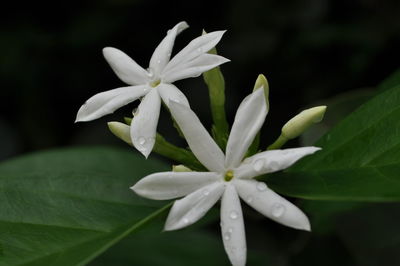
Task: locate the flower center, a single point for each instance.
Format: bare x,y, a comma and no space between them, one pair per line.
228,175
155,83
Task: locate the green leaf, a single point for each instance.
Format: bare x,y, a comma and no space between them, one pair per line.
390,82
360,159
65,207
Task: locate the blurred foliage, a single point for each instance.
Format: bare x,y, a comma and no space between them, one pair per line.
51,62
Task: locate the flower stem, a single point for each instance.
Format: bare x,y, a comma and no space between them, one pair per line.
181,155
279,142
216,88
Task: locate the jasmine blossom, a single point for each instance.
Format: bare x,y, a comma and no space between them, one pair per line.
230,177
153,84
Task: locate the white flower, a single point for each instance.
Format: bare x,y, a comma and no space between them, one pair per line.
229,178
152,84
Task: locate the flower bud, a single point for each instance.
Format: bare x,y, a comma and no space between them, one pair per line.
120,130
301,122
181,168
262,82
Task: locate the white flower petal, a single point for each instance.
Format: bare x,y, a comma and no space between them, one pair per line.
170,185
194,68
107,102
270,204
125,67
162,53
195,48
169,92
200,142
272,161
232,226
191,208
249,118
144,123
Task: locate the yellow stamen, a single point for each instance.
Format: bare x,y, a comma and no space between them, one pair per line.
155,83
228,175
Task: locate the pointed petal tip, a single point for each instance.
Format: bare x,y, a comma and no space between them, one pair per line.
306,226
108,50
183,24
316,149
145,153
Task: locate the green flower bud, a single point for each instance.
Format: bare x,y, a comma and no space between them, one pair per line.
301,122
181,168
120,130
262,82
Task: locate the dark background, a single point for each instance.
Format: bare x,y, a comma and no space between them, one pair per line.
51,60
310,50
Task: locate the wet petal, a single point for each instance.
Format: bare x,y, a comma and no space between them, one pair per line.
195,48
199,140
144,123
125,67
272,161
107,102
249,118
170,185
194,68
232,226
169,92
191,208
162,53
267,202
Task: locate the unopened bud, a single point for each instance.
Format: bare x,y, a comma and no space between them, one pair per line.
301,122
181,168
121,131
262,82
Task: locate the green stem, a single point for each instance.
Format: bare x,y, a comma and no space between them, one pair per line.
279,142
216,88
181,155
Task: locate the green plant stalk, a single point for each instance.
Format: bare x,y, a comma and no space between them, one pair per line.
279,142
181,155
216,88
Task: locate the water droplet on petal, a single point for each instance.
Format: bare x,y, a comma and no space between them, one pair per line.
158,61
141,140
258,165
169,54
261,186
249,199
233,215
230,230
185,220
274,165
199,50
278,210
227,236
206,192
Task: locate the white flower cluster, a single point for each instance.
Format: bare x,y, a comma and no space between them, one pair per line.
230,176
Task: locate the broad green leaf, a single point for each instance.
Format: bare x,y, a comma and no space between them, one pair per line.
360,159
392,81
65,207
